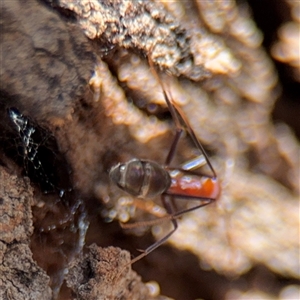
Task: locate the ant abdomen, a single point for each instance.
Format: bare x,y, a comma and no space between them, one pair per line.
141,178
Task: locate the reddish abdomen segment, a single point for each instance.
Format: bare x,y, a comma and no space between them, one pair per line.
184,183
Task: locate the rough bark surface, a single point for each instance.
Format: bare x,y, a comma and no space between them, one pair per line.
44,60
78,73
102,274
20,276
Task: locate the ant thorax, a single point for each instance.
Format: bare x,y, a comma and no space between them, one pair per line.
141,178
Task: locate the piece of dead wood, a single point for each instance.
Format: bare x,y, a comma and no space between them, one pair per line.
100,275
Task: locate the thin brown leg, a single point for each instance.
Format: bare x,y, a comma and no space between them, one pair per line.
173,147
173,217
177,114
168,206
169,217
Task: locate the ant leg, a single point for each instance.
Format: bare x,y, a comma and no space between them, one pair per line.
173,217
200,147
174,205
173,146
191,133
184,211
167,99
169,206
145,252
176,112
168,217
148,206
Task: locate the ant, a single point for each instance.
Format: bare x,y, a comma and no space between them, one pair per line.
148,179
